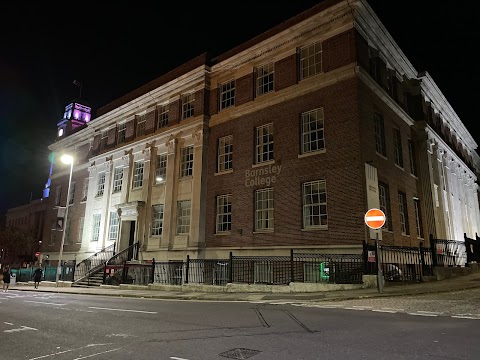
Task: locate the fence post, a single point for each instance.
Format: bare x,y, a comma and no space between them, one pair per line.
291,267
230,267
434,253
104,272
422,259
124,275
73,269
153,271
365,257
187,269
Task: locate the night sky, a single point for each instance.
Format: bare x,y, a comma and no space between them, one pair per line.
115,47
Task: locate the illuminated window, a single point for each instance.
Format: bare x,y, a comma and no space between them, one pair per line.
264,209
157,219
384,197
161,169
162,120
138,174
100,184
312,131
402,208
85,189
104,140
265,79
314,195
118,179
227,94
397,147
413,161
311,60
113,232
224,213
183,217
225,153
380,146
264,144
141,120
122,131
186,165
188,102
96,227
418,218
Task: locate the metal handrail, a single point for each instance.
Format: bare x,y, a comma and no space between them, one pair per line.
91,264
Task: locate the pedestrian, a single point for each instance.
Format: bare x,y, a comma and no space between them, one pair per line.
37,277
6,278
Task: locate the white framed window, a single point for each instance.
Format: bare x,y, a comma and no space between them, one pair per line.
418,218
264,144
117,179
311,60
157,219
264,209
85,189
71,195
100,184
58,195
413,159
227,94
384,198
402,208
162,119
188,105
53,234
161,169
265,79
397,147
186,164
380,145
122,133
104,139
183,217
81,222
313,138
96,227
141,120
225,153
314,194
138,174
224,213
113,228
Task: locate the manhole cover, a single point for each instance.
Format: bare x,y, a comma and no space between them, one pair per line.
240,353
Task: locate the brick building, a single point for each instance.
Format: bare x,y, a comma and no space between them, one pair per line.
283,142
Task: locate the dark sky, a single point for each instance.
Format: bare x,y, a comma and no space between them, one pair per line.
115,47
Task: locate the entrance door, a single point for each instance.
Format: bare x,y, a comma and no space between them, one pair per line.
131,241
127,238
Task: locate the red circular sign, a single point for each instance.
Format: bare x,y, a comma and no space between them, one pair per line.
375,218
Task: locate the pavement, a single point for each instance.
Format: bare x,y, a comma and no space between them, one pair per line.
459,283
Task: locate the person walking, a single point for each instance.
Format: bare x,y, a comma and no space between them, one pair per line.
37,277
6,278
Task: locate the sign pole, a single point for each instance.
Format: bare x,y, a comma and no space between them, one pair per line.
379,266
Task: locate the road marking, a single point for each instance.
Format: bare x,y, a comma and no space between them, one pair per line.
430,312
66,351
41,302
280,303
175,358
465,317
7,323
354,308
21,328
103,352
393,309
110,309
385,311
422,314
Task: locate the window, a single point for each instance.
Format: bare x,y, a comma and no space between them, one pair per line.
53,234
161,169
224,213
113,231
67,232
80,230
227,94
380,146
402,208
100,184
122,131
397,147
141,120
71,195
264,209
96,227
311,60
138,174
413,161
85,189
314,195
265,78
117,179
162,120
186,165
183,217
188,102
104,139
384,197
418,217
264,144
157,219
58,195
225,153
312,131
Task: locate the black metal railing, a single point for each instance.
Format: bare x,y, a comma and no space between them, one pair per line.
448,252
123,256
94,262
472,249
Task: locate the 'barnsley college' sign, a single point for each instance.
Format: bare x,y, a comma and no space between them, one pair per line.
262,176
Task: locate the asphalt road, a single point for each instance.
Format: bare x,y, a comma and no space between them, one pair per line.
50,326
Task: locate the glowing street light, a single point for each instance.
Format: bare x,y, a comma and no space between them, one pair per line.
66,159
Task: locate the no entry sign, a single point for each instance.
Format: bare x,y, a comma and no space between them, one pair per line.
375,218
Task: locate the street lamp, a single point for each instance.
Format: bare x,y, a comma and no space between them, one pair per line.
66,159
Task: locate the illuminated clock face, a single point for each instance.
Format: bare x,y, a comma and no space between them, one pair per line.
60,132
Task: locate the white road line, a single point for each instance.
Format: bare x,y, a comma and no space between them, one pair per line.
420,314
353,308
66,351
280,303
393,309
362,307
329,306
465,317
21,328
385,311
175,358
430,312
41,302
103,352
7,323
137,311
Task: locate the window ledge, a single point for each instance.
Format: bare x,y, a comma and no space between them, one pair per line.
160,184
414,176
186,178
313,153
322,227
399,167
137,188
382,156
223,233
223,172
269,231
266,163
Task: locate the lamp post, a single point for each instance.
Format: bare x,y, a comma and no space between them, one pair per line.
66,159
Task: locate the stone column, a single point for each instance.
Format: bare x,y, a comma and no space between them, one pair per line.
127,160
104,224
89,206
169,215
197,224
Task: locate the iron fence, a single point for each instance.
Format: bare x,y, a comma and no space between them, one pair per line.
448,252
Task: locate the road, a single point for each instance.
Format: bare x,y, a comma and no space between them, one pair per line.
51,326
